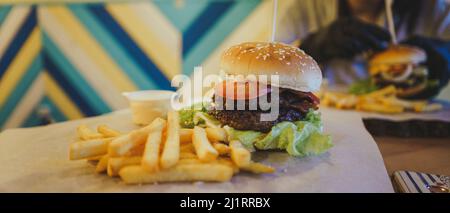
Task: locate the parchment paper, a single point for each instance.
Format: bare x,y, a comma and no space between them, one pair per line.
36,160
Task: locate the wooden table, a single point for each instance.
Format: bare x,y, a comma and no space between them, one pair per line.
430,155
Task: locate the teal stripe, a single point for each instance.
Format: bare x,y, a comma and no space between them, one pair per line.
108,43
182,17
20,90
4,11
227,23
72,74
33,119
55,112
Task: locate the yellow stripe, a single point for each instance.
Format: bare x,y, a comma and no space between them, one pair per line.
84,40
166,59
19,65
60,99
262,35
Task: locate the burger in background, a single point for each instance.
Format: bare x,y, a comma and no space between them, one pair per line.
401,66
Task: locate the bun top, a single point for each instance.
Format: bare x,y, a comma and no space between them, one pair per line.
295,68
399,54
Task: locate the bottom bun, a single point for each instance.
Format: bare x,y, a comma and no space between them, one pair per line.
408,92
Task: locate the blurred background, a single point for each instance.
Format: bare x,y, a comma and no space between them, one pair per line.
62,60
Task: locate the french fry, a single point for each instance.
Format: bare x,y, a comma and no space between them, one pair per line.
107,131
258,168
84,133
220,160
393,101
239,154
420,105
189,161
326,100
187,148
120,145
115,164
205,151
381,108
180,172
102,164
330,98
432,107
347,102
188,155
171,152
216,134
92,162
222,148
89,148
185,136
124,143
136,151
94,158
150,159
386,91
228,162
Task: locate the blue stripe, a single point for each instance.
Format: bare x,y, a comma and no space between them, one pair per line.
432,178
218,33
4,11
33,119
73,78
128,45
414,182
203,23
20,90
423,179
18,41
109,43
55,112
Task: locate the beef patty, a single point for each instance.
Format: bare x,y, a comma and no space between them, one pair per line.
294,105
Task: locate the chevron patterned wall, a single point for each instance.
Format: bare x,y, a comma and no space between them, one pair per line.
68,61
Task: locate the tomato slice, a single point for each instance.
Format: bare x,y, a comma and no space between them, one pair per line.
314,98
246,90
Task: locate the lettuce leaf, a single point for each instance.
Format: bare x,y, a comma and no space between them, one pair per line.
247,138
187,115
300,138
203,119
362,87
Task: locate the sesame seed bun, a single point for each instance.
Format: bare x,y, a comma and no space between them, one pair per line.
399,54
296,69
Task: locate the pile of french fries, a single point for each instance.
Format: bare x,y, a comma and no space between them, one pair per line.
381,101
164,152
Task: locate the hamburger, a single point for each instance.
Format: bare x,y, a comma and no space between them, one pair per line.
401,66
296,129
298,73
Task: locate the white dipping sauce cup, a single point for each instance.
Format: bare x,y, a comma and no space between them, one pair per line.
146,105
